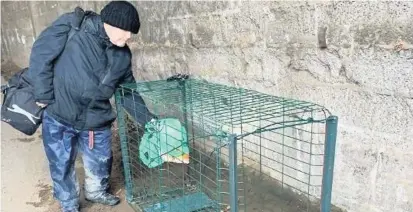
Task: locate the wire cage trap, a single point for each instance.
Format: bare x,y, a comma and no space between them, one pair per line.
214,147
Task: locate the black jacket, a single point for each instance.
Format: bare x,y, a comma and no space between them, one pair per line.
76,78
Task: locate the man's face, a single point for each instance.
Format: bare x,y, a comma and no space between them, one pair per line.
117,36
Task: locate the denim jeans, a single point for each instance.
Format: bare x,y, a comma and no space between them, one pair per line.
61,144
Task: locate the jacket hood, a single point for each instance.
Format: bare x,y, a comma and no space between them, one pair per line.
94,25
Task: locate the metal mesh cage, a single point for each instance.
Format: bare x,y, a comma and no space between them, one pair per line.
249,151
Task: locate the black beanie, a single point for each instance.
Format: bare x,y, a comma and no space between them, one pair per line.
121,14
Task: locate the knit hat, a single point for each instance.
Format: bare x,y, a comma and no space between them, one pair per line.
121,14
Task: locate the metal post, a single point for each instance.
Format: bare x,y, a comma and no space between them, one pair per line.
182,87
329,154
184,102
124,148
233,181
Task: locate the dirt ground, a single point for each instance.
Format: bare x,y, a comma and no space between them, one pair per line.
25,180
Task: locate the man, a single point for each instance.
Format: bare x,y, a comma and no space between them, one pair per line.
74,79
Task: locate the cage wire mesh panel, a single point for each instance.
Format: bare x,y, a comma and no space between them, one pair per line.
248,151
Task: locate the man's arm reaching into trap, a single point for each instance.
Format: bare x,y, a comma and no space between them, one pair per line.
133,103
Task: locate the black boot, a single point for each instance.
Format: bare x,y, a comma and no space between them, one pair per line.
105,199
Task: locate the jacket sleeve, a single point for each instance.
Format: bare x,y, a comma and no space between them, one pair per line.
133,102
47,47
128,78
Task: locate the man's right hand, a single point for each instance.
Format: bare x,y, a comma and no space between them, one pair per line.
42,105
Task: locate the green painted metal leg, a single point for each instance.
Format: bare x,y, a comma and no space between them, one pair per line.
124,148
329,154
233,173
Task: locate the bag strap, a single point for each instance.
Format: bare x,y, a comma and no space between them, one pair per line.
76,22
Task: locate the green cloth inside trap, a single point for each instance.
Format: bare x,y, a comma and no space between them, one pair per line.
163,137
187,203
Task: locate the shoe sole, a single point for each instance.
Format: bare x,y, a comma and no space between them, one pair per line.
102,202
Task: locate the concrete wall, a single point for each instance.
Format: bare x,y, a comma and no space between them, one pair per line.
365,75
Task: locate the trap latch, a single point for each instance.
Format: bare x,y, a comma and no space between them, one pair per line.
178,77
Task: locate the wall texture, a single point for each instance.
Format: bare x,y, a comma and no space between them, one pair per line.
365,75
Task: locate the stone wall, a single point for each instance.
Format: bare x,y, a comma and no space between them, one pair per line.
355,58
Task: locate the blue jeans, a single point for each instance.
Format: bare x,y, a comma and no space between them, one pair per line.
61,145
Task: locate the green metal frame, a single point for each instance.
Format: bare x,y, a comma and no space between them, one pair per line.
205,108
330,146
124,148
